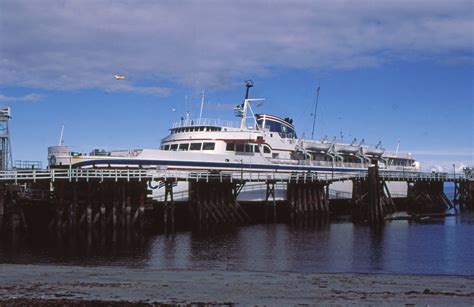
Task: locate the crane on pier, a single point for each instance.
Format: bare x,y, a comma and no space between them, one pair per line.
6,161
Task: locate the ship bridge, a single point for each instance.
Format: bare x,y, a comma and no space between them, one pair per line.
284,127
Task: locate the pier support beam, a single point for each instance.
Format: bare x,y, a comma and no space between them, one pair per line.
376,212
270,193
13,215
427,197
215,202
464,195
2,208
307,200
168,207
371,198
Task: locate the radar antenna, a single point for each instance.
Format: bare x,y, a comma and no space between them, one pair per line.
248,85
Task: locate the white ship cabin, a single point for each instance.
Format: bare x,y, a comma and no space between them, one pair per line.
401,161
270,137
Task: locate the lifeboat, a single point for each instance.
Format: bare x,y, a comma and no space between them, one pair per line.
317,146
346,148
373,151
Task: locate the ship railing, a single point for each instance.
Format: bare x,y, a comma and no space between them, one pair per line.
319,163
389,154
213,122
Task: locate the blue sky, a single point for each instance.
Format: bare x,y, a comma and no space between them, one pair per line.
388,70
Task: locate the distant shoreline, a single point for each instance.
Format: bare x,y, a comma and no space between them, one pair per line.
49,285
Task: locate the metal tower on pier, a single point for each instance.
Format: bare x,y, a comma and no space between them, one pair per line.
6,161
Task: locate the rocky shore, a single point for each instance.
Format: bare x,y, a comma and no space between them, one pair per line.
50,285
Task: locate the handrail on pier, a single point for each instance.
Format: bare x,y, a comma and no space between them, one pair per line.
127,174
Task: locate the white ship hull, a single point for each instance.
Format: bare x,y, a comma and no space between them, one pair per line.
256,192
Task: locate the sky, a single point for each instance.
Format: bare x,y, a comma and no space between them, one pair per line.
387,70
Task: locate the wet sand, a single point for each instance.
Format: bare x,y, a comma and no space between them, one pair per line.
125,286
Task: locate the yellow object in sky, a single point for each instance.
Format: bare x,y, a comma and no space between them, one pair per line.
119,77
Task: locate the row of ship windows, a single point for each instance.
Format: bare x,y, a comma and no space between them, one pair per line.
241,147
237,147
188,146
195,129
400,162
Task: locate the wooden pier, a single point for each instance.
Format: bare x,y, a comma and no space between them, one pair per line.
119,198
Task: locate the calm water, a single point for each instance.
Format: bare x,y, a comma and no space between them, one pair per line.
437,246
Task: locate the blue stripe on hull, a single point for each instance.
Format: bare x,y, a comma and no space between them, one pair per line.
215,165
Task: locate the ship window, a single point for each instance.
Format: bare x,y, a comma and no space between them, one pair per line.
184,147
266,149
275,155
201,128
255,148
248,148
230,147
239,147
208,146
174,147
166,147
195,146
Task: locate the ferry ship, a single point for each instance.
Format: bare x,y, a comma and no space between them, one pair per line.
262,143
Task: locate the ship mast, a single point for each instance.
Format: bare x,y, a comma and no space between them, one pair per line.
242,109
248,85
203,93
315,112
243,122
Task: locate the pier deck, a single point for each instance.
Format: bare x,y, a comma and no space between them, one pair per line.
34,175
118,197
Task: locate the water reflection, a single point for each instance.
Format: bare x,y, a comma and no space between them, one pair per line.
436,246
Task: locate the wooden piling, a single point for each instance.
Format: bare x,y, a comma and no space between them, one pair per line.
2,208
376,213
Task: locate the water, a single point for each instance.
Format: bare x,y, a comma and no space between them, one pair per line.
435,246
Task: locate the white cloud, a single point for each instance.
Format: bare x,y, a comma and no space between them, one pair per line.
458,152
26,98
69,44
445,166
